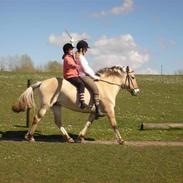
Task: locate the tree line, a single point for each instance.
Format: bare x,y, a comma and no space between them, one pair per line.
24,63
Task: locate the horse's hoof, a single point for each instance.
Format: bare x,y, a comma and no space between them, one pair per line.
29,137
70,140
81,139
121,141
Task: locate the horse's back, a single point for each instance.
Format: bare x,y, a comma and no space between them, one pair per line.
49,89
51,85
60,90
69,94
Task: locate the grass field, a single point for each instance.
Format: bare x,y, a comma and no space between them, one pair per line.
49,160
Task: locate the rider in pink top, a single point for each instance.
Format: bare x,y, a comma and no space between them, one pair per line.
71,73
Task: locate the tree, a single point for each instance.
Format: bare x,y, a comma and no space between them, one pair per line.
2,64
9,63
53,66
179,72
25,64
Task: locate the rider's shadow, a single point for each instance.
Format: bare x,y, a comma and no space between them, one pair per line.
19,136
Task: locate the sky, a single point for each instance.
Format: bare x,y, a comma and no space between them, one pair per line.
143,34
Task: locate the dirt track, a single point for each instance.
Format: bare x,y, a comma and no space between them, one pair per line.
139,143
14,138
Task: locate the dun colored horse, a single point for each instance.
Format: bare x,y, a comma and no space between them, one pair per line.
56,93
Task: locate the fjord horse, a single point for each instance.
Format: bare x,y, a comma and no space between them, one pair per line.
56,93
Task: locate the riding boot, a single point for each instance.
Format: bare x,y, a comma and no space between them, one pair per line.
82,104
98,112
82,101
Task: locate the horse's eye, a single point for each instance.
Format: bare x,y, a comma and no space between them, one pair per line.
133,77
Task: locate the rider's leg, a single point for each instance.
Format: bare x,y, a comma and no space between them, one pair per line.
90,84
78,83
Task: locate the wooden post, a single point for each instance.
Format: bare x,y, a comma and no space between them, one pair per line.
161,69
161,126
28,110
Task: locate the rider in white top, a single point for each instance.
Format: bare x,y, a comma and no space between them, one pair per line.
86,69
87,74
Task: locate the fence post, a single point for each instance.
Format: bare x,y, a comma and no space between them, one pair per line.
28,110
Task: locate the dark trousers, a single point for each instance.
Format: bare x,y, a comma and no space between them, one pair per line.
78,83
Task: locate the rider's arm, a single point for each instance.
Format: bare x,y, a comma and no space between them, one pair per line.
70,62
87,69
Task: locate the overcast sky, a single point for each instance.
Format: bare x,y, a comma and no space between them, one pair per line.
140,33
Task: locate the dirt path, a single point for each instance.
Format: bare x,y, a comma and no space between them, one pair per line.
57,139
139,143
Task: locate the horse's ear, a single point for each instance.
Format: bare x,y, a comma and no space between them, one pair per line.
98,74
127,69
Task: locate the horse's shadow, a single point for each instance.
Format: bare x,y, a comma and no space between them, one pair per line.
19,136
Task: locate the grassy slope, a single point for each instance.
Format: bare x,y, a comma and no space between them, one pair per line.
160,101
76,163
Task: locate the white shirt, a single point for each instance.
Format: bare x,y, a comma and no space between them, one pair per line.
86,68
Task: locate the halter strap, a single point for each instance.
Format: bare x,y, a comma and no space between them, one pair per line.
128,77
110,82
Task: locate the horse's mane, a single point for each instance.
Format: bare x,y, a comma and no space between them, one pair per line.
111,71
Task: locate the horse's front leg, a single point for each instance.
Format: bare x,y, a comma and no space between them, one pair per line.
112,118
82,133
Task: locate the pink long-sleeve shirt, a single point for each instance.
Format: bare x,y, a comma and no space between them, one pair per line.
70,67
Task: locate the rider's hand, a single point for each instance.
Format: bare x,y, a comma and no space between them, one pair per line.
97,79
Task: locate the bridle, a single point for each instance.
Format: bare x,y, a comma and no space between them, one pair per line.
128,78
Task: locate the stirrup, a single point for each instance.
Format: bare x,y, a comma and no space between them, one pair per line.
100,114
82,105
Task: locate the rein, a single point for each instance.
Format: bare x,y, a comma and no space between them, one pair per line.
128,78
109,82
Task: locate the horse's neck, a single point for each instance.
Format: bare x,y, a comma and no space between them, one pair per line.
111,87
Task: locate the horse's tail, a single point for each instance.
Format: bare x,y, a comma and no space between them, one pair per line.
26,99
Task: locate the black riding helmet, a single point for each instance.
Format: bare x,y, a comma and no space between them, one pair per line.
82,44
67,47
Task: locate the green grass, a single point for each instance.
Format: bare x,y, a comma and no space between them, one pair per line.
160,101
48,160
76,163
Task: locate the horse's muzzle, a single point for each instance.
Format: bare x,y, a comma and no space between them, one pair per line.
135,92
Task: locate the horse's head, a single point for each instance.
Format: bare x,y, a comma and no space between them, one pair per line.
129,82
120,76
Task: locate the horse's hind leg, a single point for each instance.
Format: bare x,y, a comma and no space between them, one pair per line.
58,121
82,133
41,112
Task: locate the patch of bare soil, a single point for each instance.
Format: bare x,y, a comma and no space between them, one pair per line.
139,143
